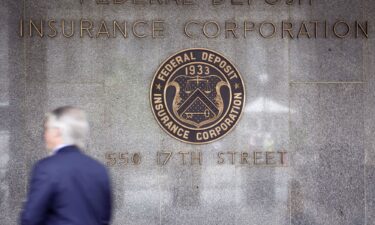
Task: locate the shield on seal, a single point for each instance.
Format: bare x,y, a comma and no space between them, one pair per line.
200,98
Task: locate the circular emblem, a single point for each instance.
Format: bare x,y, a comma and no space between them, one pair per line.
197,96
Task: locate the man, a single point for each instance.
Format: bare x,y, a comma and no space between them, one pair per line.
68,187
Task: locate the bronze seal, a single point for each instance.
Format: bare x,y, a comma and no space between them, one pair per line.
197,96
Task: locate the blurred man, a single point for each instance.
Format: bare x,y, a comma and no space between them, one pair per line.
68,187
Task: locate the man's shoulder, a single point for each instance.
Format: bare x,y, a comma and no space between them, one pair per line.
75,158
92,162
46,162
61,162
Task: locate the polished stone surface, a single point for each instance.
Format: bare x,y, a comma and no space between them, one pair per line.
369,65
327,141
314,99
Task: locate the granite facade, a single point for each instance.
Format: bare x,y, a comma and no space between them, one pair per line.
313,98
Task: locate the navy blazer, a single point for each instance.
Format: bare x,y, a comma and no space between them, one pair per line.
68,188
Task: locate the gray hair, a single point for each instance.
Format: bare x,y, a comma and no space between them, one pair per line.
72,123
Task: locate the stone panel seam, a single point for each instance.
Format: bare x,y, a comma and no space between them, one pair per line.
327,82
25,86
289,121
364,112
80,83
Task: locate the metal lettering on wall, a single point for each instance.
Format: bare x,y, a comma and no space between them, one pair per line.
193,158
197,96
243,27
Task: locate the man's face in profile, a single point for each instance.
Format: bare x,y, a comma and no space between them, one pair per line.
52,136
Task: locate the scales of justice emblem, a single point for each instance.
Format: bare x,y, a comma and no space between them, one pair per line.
197,96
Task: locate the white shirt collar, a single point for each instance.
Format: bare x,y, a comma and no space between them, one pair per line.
57,148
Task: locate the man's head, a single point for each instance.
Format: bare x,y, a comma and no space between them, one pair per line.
66,125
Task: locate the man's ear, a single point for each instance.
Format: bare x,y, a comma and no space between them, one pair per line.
57,133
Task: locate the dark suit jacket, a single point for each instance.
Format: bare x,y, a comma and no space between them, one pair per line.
68,188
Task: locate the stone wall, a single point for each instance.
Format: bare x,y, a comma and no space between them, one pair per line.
313,98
